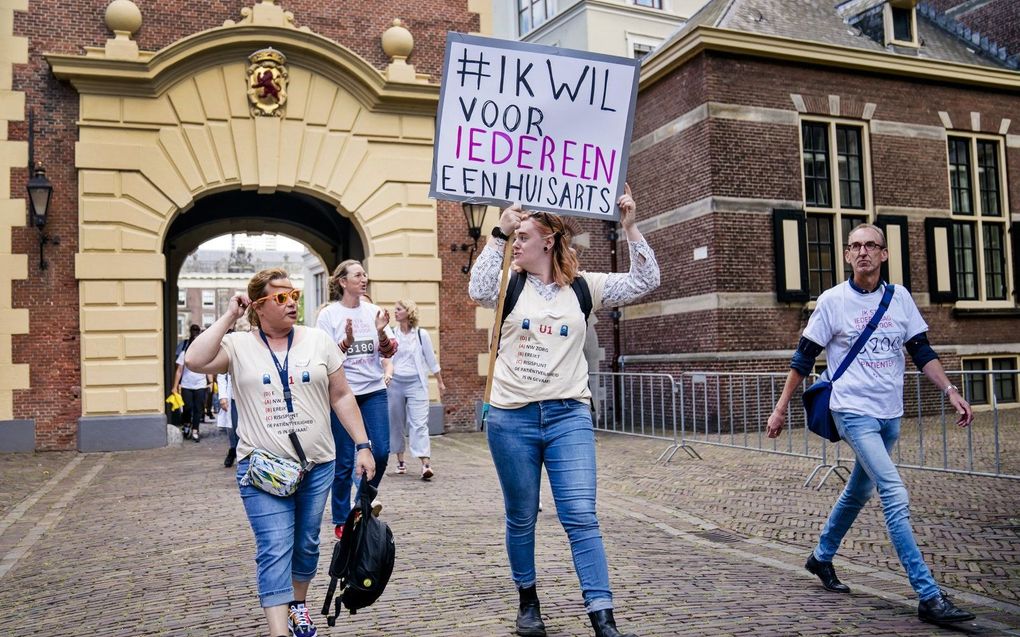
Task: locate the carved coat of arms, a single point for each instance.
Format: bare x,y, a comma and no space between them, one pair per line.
267,82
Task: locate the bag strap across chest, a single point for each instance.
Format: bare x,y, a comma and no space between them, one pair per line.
517,280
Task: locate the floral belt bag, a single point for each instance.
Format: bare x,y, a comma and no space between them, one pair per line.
275,475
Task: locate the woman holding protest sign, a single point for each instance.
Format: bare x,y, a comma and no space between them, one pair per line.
540,403
286,381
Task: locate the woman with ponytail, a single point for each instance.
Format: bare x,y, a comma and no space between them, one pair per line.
540,404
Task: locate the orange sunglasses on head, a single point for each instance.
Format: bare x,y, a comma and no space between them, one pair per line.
281,297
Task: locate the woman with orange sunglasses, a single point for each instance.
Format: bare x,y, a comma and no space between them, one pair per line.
286,378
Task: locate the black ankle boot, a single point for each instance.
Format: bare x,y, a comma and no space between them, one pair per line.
529,615
605,625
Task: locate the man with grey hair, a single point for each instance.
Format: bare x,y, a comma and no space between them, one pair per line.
866,405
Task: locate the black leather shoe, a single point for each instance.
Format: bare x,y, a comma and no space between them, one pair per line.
827,574
939,610
605,625
529,615
231,456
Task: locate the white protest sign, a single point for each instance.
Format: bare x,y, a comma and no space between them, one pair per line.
544,126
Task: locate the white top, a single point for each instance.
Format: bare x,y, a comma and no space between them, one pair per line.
189,379
362,367
873,384
541,348
414,357
223,418
263,420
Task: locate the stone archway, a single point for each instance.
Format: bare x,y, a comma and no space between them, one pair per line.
160,130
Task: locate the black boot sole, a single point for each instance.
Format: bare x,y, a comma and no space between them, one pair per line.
530,632
946,622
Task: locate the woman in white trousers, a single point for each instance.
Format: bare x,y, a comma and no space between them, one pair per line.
408,389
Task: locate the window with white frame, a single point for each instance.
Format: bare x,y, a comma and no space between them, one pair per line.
900,21
978,196
207,320
182,297
532,14
837,195
208,298
990,377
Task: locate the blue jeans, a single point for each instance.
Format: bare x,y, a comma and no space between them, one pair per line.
557,433
375,412
872,439
286,532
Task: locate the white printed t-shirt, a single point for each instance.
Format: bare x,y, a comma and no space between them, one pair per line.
263,421
541,348
362,367
873,384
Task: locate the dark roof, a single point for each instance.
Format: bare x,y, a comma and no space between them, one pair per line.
828,22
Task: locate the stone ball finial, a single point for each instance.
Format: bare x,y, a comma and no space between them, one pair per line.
397,41
123,16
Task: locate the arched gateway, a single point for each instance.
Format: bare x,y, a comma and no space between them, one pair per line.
159,132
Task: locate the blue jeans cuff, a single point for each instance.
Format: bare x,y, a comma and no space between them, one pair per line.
276,598
600,603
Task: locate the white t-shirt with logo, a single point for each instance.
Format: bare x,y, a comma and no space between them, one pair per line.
541,347
190,379
873,384
363,367
263,420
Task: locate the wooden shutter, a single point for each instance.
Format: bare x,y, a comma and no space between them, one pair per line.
938,234
1014,233
897,269
789,229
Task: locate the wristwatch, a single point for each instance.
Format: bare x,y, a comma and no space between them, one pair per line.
949,388
498,233
363,445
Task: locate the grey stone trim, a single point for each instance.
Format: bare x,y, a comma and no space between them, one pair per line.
1013,141
670,129
869,111
17,436
702,303
903,129
834,106
1004,125
990,349
437,419
975,121
798,102
715,204
121,433
947,121
775,354
916,214
715,110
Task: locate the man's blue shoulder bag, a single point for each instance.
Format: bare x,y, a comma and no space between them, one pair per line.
816,397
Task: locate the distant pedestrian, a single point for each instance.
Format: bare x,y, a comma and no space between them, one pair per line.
540,410
867,403
192,387
358,328
286,378
408,391
226,417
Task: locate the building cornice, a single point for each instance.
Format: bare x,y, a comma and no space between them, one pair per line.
151,74
677,52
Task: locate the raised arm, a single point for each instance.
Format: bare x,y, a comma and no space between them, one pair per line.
206,355
643,277
485,273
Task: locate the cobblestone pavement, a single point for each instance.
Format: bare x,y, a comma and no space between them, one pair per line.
156,543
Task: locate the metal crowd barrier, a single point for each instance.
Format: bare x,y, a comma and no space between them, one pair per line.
731,409
642,405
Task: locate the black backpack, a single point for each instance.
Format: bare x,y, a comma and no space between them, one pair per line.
362,560
513,292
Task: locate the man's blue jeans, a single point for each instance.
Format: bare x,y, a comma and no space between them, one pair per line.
375,412
286,532
557,433
872,440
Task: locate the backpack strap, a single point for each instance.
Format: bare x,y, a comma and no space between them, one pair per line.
420,341
583,294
